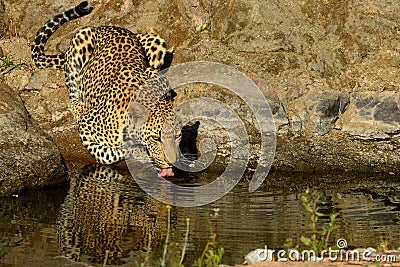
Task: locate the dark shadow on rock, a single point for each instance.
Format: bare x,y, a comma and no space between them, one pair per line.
188,145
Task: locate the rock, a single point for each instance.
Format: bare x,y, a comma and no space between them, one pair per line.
15,50
321,109
280,118
4,21
373,116
28,158
259,255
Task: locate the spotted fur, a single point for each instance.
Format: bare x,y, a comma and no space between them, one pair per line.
105,211
105,68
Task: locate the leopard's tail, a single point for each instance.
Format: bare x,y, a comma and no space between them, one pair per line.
55,61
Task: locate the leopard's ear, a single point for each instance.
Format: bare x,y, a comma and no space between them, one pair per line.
138,114
168,57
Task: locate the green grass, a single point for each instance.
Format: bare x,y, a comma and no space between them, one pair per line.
211,255
6,65
311,199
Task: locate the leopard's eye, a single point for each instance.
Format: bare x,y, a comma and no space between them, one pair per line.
156,138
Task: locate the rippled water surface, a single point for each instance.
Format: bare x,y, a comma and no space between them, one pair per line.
103,210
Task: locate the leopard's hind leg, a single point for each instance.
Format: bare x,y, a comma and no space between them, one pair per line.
77,55
156,51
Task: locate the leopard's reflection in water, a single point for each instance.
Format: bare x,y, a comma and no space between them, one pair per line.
105,212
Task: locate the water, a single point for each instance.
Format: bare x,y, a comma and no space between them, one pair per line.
104,210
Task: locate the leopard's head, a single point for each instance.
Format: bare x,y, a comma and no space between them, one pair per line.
157,126
162,137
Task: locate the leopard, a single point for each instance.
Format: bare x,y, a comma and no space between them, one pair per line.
104,210
105,69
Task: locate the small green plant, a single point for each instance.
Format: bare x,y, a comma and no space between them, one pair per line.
384,245
185,242
6,65
6,62
106,258
146,262
289,244
167,237
212,254
320,237
176,257
174,262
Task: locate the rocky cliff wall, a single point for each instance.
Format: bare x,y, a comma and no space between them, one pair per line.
330,69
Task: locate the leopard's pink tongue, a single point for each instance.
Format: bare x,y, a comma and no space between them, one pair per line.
166,172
